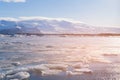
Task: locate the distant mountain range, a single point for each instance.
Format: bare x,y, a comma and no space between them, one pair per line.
39,25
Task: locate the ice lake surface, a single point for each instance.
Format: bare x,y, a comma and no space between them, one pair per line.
60,57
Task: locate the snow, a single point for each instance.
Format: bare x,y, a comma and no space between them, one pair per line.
48,25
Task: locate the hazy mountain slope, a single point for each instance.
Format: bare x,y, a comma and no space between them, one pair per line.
48,25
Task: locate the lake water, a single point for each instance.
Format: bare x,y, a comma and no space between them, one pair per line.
60,57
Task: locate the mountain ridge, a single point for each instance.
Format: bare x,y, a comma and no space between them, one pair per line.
40,25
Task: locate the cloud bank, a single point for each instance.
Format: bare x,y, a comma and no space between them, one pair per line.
16,1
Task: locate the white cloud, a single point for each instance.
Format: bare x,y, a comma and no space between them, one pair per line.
48,18
13,1
8,18
40,18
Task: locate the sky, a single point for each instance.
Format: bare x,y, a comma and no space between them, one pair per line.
101,13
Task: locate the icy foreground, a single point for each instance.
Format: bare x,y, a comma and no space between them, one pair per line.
47,55
41,25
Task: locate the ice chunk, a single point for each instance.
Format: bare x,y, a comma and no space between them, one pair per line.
62,67
50,72
78,72
17,70
2,76
44,67
19,76
70,73
41,67
83,70
14,79
16,63
48,69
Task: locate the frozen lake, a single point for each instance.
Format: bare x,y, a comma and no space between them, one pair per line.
60,57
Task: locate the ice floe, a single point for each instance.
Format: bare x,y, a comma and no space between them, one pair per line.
79,72
57,66
2,75
80,65
16,63
50,72
70,73
18,76
48,69
83,70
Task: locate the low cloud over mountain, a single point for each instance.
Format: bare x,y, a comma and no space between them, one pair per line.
16,1
42,25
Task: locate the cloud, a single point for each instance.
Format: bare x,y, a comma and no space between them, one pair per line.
8,19
40,18
13,1
48,18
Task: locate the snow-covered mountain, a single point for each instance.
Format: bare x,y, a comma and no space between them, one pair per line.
40,25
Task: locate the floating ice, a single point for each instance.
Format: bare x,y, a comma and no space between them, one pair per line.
48,69
83,70
19,76
16,63
50,72
70,73
2,76
79,72
57,66
14,79
41,67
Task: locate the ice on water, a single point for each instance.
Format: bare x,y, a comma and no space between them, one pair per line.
54,55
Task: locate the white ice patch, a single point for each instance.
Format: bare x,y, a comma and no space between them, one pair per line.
48,69
57,66
42,69
79,72
16,63
83,70
2,75
50,72
70,73
19,76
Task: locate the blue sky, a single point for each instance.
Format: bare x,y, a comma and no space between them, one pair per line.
94,12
